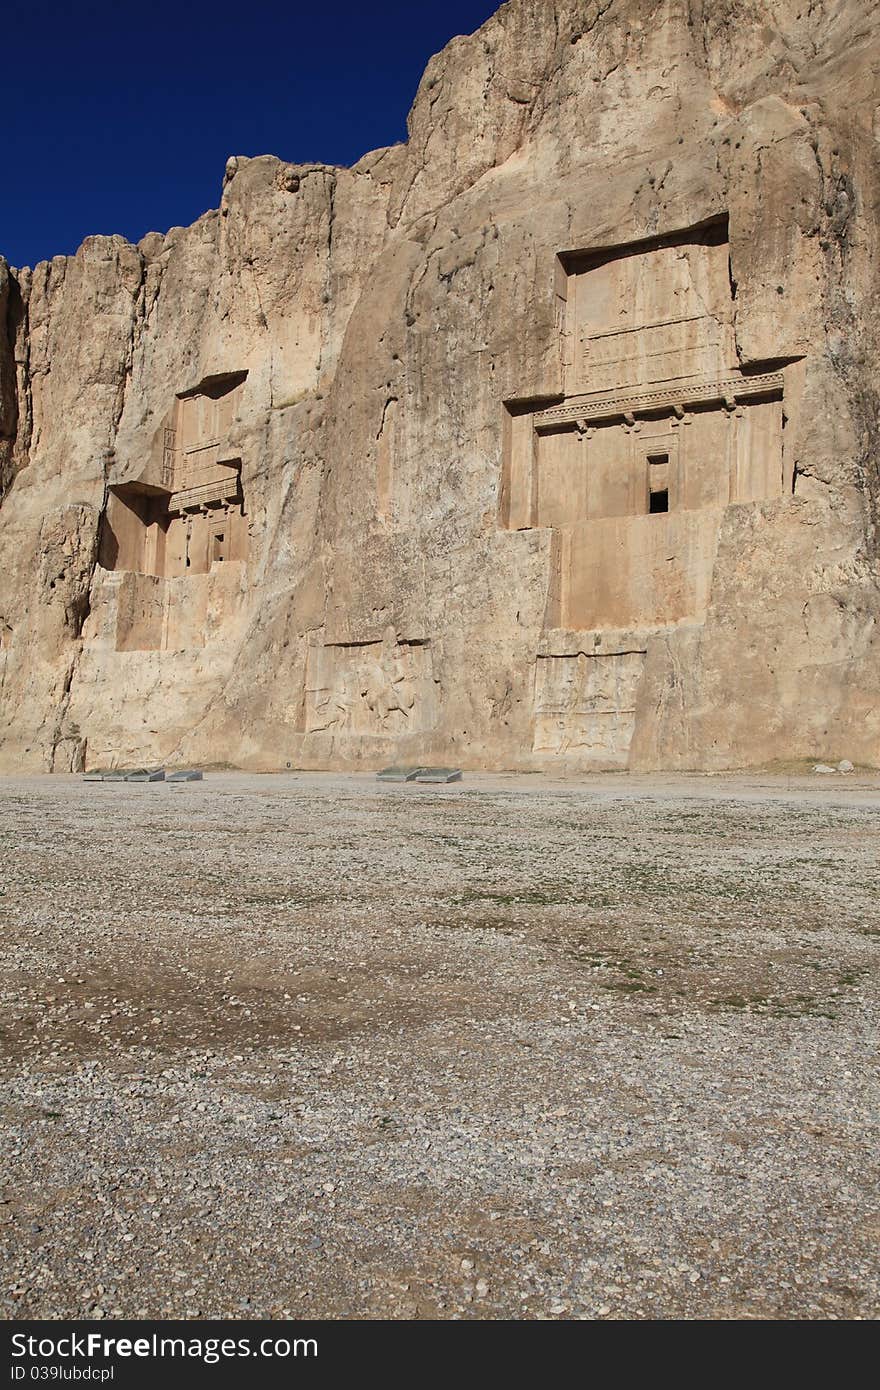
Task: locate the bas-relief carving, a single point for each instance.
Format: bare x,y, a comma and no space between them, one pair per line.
658,431
183,519
586,704
377,688
639,314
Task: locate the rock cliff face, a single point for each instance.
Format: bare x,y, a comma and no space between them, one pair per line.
546,440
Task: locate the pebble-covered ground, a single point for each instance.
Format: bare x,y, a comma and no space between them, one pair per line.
311,1045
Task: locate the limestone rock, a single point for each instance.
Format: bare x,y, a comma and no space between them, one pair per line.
547,439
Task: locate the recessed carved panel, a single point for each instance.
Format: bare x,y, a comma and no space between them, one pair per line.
585,705
379,688
645,313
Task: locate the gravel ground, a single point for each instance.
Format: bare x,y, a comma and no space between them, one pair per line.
308,1045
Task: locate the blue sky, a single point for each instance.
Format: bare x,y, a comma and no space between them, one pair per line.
119,118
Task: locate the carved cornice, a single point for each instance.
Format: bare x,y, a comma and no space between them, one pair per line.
218,492
677,396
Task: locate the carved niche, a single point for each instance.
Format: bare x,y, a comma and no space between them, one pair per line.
658,430
183,517
185,513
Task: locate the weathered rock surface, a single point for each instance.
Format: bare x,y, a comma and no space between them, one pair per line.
548,438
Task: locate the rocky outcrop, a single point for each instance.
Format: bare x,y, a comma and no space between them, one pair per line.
546,439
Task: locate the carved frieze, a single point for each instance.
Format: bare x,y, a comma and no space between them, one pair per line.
676,397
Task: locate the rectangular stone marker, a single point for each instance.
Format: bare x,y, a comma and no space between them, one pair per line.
119,774
438,774
398,774
191,774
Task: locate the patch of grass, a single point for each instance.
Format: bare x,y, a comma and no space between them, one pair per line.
527,898
798,1006
628,986
740,1001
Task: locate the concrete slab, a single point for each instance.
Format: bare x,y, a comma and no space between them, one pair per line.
398,774
438,774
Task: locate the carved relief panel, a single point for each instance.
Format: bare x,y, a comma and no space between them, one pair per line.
638,316
585,705
379,688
